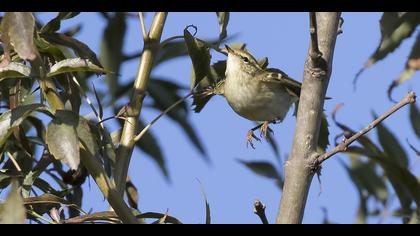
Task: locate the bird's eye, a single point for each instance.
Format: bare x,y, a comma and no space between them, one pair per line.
245,59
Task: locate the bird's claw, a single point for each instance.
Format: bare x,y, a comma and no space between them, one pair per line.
250,137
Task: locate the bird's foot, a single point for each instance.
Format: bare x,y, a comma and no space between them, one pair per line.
250,137
265,129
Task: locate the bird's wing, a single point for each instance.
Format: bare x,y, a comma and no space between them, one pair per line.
279,77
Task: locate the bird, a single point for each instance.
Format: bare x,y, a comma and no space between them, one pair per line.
259,94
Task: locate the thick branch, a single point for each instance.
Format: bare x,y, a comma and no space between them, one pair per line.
342,147
298,174
125,149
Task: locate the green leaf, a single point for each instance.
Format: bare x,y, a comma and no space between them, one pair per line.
81,49
74,65
411,66
392,147
323,141
13,118
87,136
14,70
132,194
405,184
12,210
55,24
208,210
164,94
62,139
262,168
171,51
395,27
150,146
111,55
365,177
18,27
415,119
216,75
28,181
200,57
223,22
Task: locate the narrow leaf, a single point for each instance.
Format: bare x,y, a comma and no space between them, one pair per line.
200,57
411,66
223,22
395,27
74,65
165,94
391,146
81,49
87,136
132,194
415,119
14,70
208,210
264,169
150,146
324,133
111,55
365,177
55,24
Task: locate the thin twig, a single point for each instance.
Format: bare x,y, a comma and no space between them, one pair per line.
342,147
143,28
145,129
259,210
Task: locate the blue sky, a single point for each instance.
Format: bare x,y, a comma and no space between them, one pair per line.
231,189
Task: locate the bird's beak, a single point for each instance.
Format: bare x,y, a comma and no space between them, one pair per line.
229,50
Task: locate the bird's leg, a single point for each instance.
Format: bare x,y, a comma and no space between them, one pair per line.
251,136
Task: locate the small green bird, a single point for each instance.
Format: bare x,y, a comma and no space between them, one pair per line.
255,93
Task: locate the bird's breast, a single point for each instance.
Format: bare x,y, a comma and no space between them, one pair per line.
256,100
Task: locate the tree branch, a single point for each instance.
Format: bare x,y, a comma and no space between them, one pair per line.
342,147
298,174
259,210
129,130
